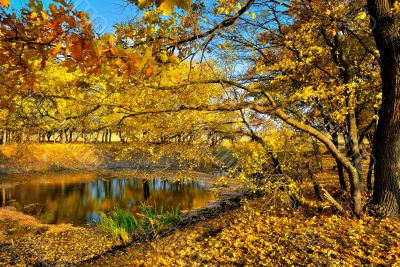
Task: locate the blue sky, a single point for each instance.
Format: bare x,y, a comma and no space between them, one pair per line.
105,13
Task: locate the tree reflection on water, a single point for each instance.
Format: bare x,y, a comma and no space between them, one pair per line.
77,198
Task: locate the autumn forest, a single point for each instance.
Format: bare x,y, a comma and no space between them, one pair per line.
200,133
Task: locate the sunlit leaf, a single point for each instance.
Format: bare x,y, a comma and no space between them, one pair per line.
5,3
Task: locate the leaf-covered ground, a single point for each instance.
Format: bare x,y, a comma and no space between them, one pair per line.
260,234
26,242
264,231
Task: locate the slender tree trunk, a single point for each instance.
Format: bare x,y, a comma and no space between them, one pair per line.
317,154
84,138
22,136
340,169
353,144
353,174
96,138
386,197
62,136
121,139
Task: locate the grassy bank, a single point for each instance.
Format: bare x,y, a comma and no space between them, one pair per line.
125,226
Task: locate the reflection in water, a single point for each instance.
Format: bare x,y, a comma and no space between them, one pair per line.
69,199
146,189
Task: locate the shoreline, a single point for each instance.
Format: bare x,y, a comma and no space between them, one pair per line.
22,232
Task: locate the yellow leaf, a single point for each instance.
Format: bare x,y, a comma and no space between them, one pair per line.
111,40
143,3
56,49
45,16
33,15
4,3
167,6
362,15
163,56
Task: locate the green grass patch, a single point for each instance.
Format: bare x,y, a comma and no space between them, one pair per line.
124,226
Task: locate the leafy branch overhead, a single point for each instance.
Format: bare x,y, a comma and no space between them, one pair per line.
190,68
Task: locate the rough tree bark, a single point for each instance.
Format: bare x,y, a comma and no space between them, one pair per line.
386,197
371,163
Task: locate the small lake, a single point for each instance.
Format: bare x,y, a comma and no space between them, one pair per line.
77,198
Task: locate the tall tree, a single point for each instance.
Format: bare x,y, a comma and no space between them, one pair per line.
385,23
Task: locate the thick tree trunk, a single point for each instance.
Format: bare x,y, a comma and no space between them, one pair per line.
386,197
371,161
370,171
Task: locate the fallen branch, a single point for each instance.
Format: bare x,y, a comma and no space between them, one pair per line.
323,194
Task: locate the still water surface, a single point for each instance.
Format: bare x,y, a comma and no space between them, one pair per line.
78,198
